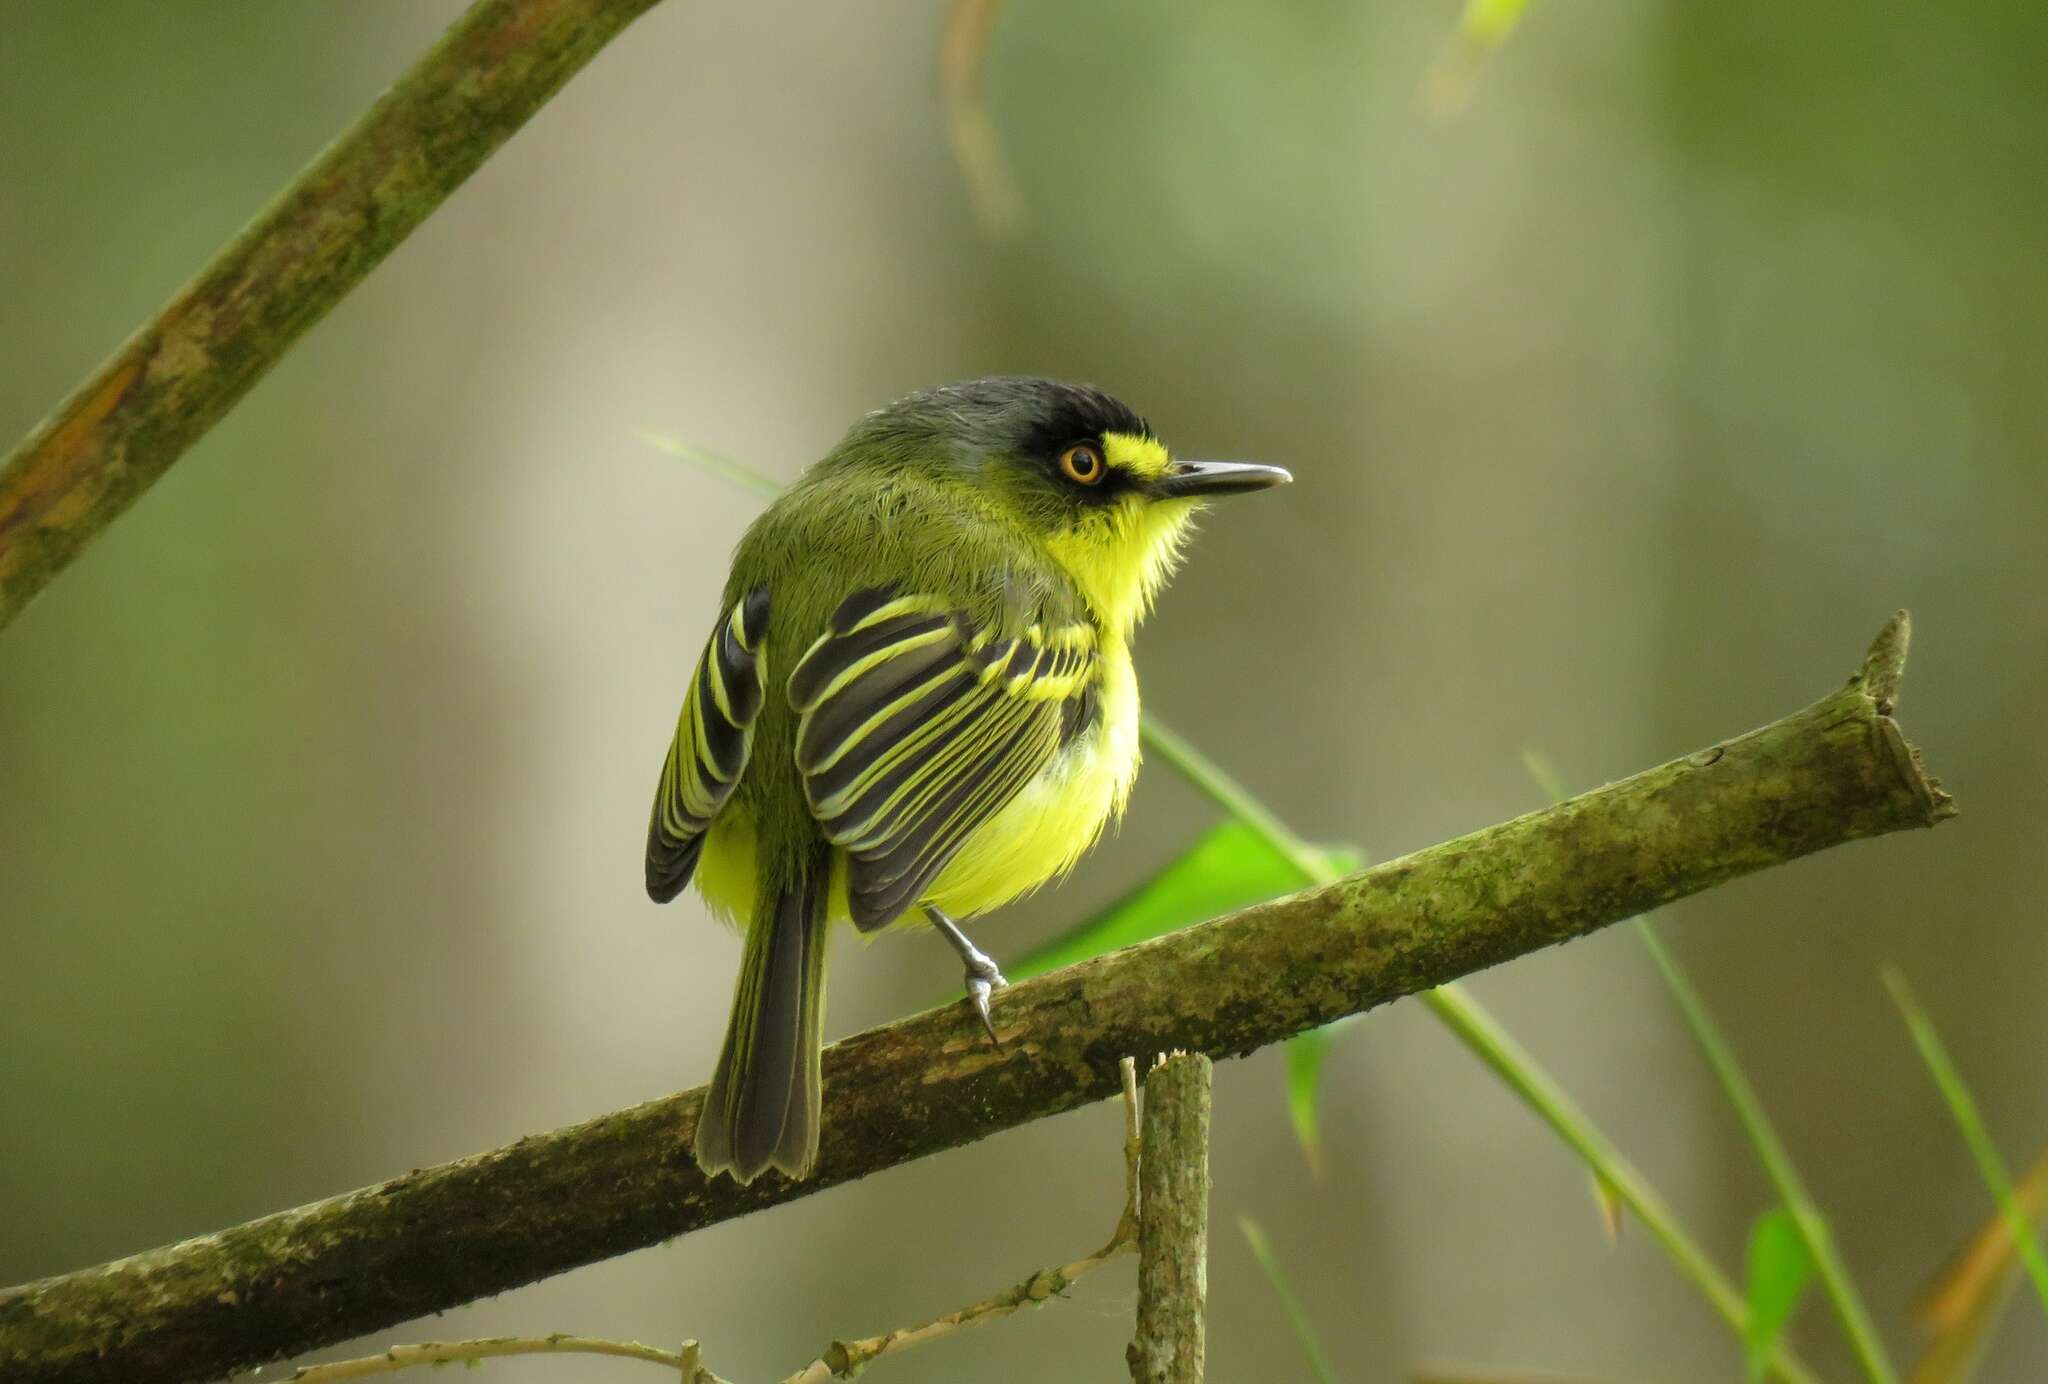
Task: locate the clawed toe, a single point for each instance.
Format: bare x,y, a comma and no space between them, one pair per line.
983,977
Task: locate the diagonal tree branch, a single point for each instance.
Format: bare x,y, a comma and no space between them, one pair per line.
1837,771
186,367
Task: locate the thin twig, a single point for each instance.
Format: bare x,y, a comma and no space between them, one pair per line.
843,1359
685,1363
1127,1224
1171,1343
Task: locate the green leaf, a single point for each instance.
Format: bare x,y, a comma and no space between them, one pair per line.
1233,865
1229,867
1779,1266
739,473
1304,1089
1318,1363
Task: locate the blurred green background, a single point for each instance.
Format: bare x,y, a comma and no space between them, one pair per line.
1624,407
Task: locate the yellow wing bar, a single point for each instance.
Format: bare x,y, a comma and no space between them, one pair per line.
916,726
713,735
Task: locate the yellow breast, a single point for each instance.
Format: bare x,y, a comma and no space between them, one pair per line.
1060,813
1051,822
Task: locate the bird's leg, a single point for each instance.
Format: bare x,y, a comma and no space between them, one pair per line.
982,975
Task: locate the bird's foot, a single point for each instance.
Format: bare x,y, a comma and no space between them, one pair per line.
983,978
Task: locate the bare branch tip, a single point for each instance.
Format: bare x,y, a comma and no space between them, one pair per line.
1883,671
1884,667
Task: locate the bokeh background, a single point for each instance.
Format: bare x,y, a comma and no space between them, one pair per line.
1625,405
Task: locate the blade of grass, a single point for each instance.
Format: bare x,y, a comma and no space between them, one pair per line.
740,474
1955,1352
1232,796
1963,1108
1304,1083
1985,1262
1465,1016
1318,1363
1806,1217
1969,1299
1482,1033
1315,866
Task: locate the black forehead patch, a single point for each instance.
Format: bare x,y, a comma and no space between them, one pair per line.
1014,413
1073,412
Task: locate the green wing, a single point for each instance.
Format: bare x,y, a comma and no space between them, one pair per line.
713,734
918,723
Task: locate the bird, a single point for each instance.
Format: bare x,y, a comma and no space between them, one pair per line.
917,703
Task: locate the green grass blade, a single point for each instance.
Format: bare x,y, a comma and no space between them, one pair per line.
1799,1205
1318,1363
1963,1108
1305,1055
1314,866
1484,1035
740,474
1779,1264
1964,1305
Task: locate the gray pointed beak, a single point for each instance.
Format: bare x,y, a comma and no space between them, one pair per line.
1187,480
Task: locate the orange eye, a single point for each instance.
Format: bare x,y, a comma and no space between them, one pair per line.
1083,463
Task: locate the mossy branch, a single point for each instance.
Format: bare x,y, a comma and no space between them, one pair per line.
185,368
1835,772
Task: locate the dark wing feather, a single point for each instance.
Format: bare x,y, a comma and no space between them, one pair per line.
917,725
713,734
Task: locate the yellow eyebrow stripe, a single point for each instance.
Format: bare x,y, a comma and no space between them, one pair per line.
1144,457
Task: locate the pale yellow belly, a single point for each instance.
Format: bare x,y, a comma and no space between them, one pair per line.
1057,816
1035,839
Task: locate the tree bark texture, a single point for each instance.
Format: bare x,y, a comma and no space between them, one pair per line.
1171,1344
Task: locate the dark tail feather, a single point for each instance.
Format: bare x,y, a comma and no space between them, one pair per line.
762,1109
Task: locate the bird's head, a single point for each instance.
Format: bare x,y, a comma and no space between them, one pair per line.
1073,466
